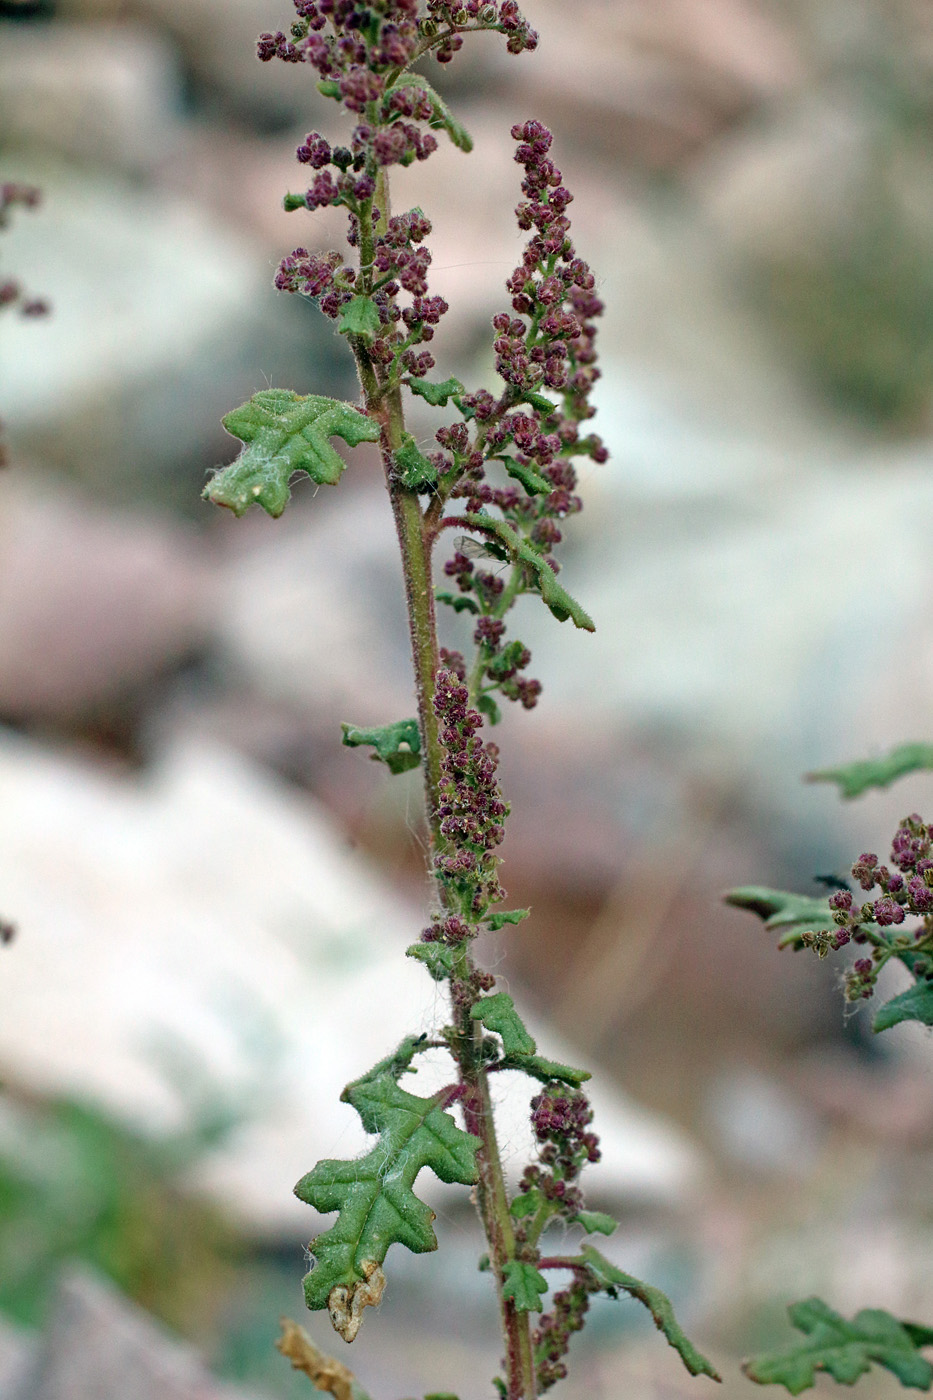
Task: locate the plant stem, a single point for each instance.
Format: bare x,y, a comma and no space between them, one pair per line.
415,541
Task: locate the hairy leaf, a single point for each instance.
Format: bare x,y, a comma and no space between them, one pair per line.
285,433
526,1203
916,1004
413,467
524,1285
359,317
397,745
856,778
561,604
438,958
506,916
436,392
442,118
497,1013
658,1304
373,1193
596,1222
539,402
534,483
539,1068
844,1349
792,914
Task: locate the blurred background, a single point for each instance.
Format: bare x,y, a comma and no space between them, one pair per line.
211,896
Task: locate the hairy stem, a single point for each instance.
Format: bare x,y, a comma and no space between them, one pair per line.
415,541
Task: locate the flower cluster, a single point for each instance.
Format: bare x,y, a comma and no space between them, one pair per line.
471,809
905,890
544,345
560,1118
371,39
551,1338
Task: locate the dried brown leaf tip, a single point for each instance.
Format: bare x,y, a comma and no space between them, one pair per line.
324,1372
346,1305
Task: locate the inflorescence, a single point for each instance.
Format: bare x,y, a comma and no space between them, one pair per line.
471,812
906,890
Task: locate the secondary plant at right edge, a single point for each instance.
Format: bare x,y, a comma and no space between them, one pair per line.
885,913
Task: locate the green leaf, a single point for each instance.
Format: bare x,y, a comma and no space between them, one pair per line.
329,87
793,914
438,958
291,202
506,916
595,1222
856,778
524,1285
528,1203
285,433
460,602
916,1004
436,393
539,1068
497,1013
534,483
373,1193
539,402
360,317
413,467
487,706
844,1349
658,1304
561,604
397,745
442,118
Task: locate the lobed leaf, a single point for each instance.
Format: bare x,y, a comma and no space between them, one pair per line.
793,914
438,958
373,1193
855,778
539,1068
497,1013
561,604
595,1222
397,745
359,317
442,118
845,1350
506,916
435,392
610,1279
285,433
412,466
916,1004
524,1285
534,483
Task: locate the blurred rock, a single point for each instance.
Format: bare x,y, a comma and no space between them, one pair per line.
100,1346
106,94
157,330
212,918
217,40
651,82
92,605
334,559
